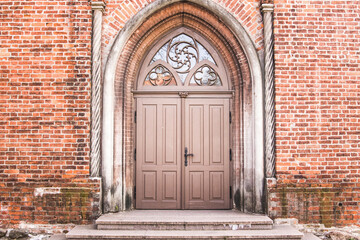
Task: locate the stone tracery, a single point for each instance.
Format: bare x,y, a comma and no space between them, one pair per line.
158,76
205,75
183,53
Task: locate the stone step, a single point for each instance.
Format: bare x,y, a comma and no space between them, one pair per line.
277,233
183,220
307,236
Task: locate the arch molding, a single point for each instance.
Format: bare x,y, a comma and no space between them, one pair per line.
246,75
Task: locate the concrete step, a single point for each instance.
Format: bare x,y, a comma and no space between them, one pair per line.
183,220
277,233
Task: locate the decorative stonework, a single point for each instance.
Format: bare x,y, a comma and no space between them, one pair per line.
98,9
98,5
205,75
244,69
268,10
182,53
160,76
183,94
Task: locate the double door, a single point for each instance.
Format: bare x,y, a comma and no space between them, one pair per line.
182,148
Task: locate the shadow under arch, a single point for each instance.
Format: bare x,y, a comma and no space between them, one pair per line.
249,193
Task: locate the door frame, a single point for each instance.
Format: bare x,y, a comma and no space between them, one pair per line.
247,76
222,94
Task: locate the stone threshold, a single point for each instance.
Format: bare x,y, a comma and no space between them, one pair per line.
183,220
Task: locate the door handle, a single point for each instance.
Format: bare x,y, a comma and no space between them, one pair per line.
186,155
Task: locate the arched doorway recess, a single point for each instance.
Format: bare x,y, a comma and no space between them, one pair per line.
243,71
183,121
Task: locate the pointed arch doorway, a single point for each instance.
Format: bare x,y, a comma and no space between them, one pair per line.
123,87
183,128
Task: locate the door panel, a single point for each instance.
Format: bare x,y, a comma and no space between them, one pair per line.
149,134
206,177
216,186
150,185
196,134
170,135
216,132
170,185
158,142
196,186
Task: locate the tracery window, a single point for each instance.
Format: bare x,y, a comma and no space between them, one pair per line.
183,59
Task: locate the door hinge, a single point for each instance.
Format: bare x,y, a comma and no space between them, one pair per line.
230,117
134,192
134,154
230,155
135,116
230,192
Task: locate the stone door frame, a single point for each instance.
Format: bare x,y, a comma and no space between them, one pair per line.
113,163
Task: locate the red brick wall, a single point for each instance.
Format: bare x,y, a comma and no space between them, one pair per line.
317,56
45,62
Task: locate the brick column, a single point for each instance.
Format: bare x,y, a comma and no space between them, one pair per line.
267,10
98,8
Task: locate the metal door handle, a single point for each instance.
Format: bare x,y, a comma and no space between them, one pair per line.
187,155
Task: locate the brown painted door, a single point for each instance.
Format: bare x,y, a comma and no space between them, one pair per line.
162,179
158,167
206,176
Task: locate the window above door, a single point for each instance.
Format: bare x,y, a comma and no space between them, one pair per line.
182,60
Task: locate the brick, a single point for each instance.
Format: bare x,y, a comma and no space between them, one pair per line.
35,76
314,46
45,67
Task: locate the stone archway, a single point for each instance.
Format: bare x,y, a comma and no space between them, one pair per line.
239,53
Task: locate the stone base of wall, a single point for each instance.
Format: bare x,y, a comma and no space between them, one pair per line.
43,208
319,230
330,206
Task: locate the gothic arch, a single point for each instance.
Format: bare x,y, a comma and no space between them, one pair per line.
235,46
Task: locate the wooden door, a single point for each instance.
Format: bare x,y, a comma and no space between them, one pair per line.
165,127
206,176
158,167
